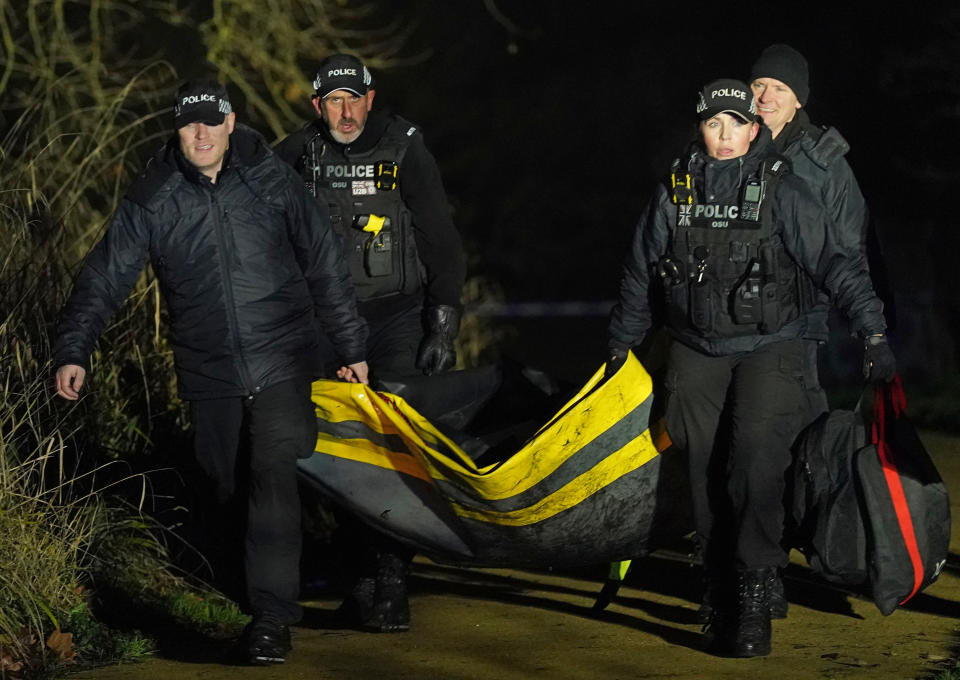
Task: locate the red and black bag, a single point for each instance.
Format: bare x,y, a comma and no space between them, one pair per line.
904,504
827,524
868,505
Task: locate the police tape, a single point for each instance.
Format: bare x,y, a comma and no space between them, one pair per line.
542,309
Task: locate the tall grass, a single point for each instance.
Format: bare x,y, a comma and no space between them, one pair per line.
58,466
52,520
71,138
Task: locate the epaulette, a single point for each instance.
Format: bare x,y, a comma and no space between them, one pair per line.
827,148
776,165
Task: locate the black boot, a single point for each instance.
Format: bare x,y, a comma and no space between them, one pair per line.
752,632
362,563
777,596
778,599
357,606
267,641
391,609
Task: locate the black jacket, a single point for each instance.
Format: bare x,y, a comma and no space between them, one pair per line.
817,156
421,188
244,264
808,235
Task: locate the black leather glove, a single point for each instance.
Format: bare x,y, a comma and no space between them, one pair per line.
437,353
616,356
878,360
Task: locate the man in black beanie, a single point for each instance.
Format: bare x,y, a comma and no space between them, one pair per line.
780,80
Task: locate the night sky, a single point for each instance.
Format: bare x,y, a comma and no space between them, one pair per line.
551,139
552,133
563,137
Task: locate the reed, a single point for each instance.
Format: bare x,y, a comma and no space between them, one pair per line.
85,92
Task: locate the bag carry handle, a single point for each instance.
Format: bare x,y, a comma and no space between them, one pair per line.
891,395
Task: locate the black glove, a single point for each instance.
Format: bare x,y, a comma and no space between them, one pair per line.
616,356
437,353
878,361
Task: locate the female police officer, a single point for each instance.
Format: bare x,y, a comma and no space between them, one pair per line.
736,247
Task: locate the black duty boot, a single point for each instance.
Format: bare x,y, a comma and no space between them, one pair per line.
391,610
752,632
267,641
778,599
777,596
357,607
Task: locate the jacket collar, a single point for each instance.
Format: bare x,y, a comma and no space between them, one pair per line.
167,165
719,180
794,131
760,148
373,131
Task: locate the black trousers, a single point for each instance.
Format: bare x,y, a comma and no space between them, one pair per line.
395,333
394,338
248,447
737,417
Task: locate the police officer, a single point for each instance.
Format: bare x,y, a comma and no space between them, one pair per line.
388,204
245,260
735,245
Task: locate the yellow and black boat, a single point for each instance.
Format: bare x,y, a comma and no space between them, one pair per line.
581,490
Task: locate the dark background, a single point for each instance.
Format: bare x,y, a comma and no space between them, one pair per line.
552,128
552,122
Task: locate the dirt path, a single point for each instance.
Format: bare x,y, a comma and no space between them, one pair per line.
472,624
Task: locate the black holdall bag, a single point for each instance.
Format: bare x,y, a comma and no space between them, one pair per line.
905,504
827,525
868,505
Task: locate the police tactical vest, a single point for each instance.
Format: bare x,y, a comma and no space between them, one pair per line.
362,191
726,273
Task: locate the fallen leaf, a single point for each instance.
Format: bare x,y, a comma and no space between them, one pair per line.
9,665
62,644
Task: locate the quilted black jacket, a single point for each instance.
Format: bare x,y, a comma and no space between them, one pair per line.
247,266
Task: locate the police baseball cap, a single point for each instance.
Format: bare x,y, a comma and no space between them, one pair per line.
202,100
727,96
342,72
